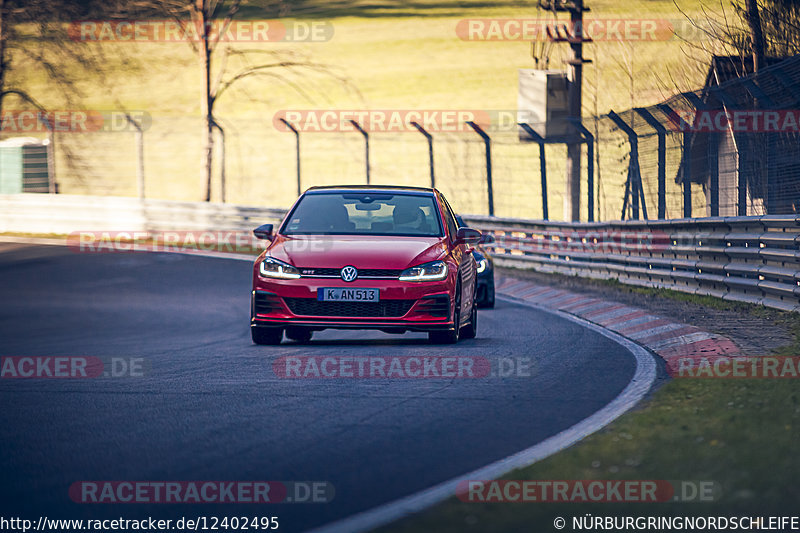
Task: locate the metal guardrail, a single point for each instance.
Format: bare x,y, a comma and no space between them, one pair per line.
749,259
64,214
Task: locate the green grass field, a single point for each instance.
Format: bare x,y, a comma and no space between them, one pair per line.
393,56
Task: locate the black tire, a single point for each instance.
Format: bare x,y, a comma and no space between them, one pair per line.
471,330
450,336
267,336
302,335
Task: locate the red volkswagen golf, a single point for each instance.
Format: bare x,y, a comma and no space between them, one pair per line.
386,258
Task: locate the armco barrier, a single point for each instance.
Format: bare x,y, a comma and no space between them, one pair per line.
749,259
64,214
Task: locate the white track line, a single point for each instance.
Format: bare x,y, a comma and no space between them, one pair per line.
639,385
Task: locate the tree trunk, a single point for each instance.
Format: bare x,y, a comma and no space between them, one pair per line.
756,33
3,23
203,11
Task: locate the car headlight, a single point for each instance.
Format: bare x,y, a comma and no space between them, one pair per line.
272,268
482,264
433,271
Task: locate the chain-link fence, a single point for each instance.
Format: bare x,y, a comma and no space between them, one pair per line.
730,148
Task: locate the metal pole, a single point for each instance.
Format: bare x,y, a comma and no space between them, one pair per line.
51,154
222,160
430,151
687,174
662,158
542,166
589,138
576,10
140,155
713,172
297,150
634,176
357,126
487,141
686,170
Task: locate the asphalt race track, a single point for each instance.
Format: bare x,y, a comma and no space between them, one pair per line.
210,406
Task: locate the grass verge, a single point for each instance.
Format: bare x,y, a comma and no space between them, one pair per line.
739,434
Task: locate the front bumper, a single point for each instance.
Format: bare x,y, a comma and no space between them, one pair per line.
403,306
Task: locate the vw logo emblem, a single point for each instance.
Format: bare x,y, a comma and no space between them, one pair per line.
349,273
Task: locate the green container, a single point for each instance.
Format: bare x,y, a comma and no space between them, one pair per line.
23,167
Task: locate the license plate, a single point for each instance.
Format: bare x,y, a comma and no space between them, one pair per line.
347,295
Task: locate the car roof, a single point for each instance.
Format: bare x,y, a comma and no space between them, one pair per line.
371,188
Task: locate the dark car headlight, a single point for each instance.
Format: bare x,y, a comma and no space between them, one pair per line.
273,268
433,271
483,263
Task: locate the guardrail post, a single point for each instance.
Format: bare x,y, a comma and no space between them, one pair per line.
430,150
662,158
633,185
589,138
357,126
487,141
542,166
297,151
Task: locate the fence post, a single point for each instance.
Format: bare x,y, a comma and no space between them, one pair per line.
662,158
297,152
589,138
634,182
51,154
357,126
713,171
542,166
140,155
222,160
430,150
488,145
741,182
686,171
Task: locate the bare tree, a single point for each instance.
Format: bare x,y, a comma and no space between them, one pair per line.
33,31
206,24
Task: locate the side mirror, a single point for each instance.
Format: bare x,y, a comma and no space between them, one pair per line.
467,236
486,238
264,231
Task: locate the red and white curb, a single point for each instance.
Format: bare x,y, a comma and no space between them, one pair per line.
667,338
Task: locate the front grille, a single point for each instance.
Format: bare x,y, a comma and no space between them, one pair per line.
266,302
313,307
435,306
362,272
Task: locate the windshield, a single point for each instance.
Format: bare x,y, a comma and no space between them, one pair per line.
364,213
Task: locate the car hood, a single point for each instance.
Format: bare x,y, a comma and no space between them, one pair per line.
361,251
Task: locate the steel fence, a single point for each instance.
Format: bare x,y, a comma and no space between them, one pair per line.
751,259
